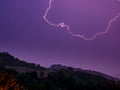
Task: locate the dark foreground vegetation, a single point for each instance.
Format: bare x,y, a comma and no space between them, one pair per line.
60,79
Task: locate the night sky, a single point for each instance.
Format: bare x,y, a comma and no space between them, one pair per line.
26,35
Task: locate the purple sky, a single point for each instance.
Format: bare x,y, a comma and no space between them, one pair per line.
25,34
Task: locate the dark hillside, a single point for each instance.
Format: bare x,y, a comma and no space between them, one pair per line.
57,77
7,59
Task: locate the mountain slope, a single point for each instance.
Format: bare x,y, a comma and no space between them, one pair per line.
58,77
7,59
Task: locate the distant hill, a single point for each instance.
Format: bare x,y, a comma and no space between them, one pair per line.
57,77
58,67
12,62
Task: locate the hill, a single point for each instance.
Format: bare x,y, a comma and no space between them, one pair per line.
57,77
9,60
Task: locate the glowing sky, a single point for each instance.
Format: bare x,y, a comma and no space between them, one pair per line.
25,34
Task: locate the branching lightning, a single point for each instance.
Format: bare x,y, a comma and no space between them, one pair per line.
63,25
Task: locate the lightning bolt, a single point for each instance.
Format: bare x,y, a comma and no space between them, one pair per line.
63,25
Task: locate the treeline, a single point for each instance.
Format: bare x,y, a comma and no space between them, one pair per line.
63,80
47,79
